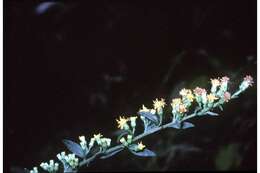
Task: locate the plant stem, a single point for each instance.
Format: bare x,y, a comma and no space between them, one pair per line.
87,161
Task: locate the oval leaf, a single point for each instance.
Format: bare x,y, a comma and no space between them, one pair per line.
187,125
149,116
74,148
111,153
212,113
144,153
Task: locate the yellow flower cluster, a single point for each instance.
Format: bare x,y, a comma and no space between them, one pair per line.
122,122
158,104
211,98
187,93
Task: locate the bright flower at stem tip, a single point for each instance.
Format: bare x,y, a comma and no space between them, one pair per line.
140,146
158,104
249,80
122,122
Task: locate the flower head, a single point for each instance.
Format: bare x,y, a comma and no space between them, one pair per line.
190,97
140,146
184,92
122,122
199,91
158,104
175,102
249,80
182,108
211,98
215,82
227,96
224,79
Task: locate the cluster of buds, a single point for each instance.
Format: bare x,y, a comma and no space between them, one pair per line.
187,97
51,167
127,141
83,143
34,170
200,96
102,142
223,86
69,159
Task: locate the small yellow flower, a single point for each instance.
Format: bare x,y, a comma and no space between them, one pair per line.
182,108
140,146
158,104
175,102
184,92
144,109
121,122
215,82
211,98
190,97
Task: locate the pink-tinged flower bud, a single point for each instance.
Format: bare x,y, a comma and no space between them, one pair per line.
249,80
227,96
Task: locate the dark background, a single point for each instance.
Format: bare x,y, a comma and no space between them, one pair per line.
71,68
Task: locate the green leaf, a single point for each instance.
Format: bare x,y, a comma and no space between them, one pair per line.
144,153
74,148
212,113
187,125
149,116
111,153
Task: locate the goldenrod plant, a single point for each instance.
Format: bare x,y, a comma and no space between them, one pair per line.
99,147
